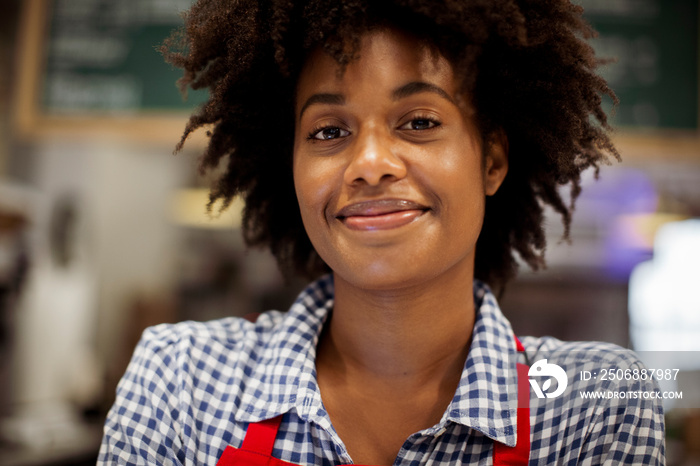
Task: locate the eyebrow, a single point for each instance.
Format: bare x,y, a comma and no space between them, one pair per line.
331,99
416,87
407,90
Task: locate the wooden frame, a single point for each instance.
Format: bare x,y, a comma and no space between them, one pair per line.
31,123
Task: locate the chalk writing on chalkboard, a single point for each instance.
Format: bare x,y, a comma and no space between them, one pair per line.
102,58
655,44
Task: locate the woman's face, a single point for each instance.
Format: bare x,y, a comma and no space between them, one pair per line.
388,165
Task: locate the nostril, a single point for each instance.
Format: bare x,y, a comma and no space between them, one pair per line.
375,165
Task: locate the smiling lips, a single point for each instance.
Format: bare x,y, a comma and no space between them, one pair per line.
381,214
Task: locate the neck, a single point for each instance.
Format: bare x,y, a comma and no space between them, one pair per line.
414,337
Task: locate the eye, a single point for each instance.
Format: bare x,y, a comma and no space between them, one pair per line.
329,132
420,124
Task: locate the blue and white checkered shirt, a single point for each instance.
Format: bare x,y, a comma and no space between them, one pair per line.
191,389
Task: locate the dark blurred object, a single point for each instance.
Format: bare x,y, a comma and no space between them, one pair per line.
571,305
14,264
221,278
63,224
692,434
11,222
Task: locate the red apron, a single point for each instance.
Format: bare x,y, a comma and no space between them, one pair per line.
256,449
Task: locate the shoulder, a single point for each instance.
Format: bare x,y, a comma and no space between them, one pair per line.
173,359
609,399
175,374
578,351
187,350
227,333
304,317
592,366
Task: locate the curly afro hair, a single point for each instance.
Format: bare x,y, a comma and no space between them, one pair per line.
524,64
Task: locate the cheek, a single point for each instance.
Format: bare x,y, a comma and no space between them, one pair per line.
459,186
455,173
313,185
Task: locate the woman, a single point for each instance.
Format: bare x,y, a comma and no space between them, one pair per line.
405,149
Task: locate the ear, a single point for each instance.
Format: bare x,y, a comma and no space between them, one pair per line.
495,161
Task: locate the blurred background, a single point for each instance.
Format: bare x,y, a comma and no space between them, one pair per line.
103,232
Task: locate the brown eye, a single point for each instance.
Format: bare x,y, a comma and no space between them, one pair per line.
420,124
331,132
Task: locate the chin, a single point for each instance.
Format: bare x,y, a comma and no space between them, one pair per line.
383,276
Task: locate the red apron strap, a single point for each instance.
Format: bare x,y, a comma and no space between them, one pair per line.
256,449
519,455
260,436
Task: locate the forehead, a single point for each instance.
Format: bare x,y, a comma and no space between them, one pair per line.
385,58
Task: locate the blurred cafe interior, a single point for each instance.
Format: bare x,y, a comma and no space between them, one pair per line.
103,231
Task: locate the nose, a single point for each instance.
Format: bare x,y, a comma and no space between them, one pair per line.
374,159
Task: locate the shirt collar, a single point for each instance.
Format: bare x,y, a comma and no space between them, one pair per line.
283,356
284,374
487,396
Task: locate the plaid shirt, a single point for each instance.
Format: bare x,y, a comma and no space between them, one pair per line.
191,389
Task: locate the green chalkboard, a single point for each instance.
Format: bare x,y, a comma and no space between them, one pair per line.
102,59
655,43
